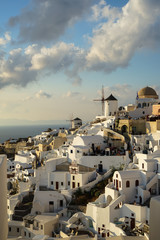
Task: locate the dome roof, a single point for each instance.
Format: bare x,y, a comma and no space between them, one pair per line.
147,92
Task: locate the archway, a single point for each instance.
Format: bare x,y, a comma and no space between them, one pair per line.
124,129
109,199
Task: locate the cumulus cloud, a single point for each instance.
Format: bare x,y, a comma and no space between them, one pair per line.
118,35
42,94
6,39
24,66
116,40
45,20
14,69
102,11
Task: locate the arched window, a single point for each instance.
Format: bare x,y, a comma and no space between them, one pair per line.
137,183
139,105
127,184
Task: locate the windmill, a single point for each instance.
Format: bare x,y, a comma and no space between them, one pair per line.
102,100
70,119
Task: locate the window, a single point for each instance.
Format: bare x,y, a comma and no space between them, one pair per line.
9,229
127,184
120,184
61,183
29,235
73,177
71,151
61,203
51,203
17,229
51,182
132,214
68,183
142,165
41,226
116,175
77,151
139,105
78,184
136,183
103,225
143,105
24,233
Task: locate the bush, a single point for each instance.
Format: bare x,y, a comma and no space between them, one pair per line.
97,193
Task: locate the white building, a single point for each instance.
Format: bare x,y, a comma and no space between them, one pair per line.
111,106
146,97
64,176
48,202
112,210
3,197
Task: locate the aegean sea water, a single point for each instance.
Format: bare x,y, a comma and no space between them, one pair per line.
14,132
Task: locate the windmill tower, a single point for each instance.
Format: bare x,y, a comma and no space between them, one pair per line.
102,100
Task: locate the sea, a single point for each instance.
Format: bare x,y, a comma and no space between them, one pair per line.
15,132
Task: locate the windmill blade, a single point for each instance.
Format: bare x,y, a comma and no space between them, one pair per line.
102,100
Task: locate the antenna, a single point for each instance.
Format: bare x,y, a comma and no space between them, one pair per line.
102,100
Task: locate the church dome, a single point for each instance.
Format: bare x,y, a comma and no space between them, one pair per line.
147,92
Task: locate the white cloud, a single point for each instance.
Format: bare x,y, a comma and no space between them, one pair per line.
6,39
116,40
42,94
103,11
22,67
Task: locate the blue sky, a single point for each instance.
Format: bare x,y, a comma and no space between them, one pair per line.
56,55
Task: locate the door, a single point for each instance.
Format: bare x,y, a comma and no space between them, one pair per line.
57,185
73,185
132,223
51,206
100,167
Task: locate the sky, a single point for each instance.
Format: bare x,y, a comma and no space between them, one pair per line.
55,55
